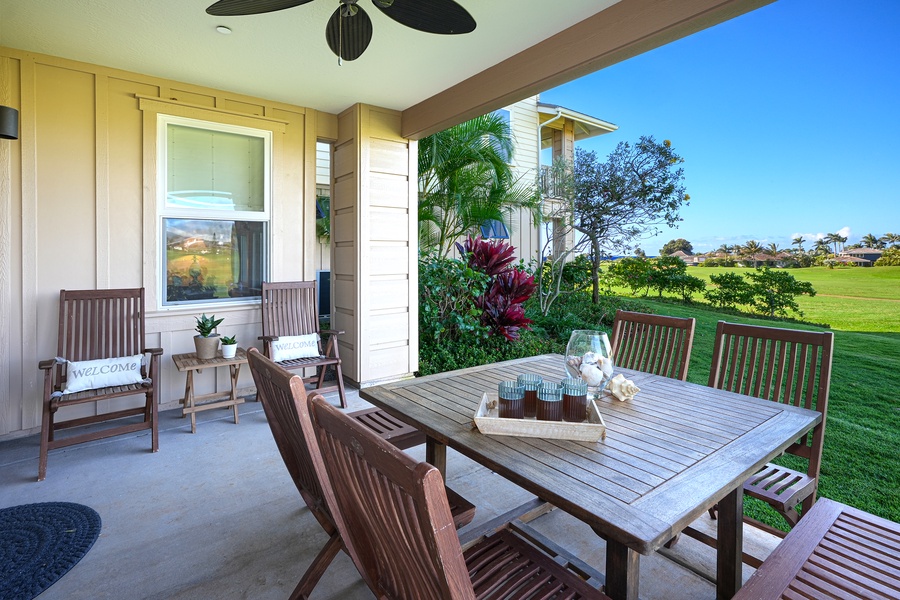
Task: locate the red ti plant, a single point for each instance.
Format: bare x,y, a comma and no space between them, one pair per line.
510,287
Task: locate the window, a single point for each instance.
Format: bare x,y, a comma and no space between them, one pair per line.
214,218
494,229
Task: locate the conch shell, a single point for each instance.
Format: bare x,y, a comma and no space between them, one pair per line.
594,369
623,389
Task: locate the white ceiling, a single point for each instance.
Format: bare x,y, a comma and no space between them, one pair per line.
283,55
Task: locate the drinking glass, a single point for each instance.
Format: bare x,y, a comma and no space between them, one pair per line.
511,400
574,402
531,382
549,403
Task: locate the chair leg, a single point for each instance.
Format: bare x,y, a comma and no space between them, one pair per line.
317,568
712,511
46,426
340,383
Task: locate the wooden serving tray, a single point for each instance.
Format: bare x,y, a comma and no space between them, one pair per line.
488,422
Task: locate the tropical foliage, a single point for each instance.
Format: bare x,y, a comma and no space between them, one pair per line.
465,180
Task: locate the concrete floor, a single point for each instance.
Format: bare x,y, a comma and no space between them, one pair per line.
216,515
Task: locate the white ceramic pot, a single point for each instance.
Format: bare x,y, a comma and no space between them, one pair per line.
229,350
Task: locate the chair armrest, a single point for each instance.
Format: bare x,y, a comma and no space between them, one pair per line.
46,365
154,351
332,332
268,338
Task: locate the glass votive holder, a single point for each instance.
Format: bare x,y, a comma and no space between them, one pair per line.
549,404
531,382
574,399
511,400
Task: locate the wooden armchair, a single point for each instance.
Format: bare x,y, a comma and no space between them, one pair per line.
653,343
289,309
782,365
284,400
95,325
396,524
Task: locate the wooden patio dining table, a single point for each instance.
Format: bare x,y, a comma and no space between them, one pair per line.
670,453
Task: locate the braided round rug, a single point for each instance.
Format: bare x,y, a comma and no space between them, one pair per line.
39,543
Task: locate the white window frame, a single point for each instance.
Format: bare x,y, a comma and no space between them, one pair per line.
164,211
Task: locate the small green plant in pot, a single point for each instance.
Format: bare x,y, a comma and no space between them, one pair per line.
229,346
207,343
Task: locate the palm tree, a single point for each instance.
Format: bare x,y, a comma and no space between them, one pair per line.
752,247
465,179
870,241
773,249
835,238
822,246
889,238
840,239
726,249
798,241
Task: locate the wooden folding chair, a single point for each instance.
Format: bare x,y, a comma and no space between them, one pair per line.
653,343
395,521
290,309
93,325
284,400
782,365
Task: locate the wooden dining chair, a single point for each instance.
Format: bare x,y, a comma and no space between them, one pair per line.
100,356
653,343
783,365
289,309
395,521
290,313
284,400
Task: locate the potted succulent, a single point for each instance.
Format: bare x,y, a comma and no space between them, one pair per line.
207,343
229,346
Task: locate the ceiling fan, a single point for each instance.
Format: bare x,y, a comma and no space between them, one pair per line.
349,30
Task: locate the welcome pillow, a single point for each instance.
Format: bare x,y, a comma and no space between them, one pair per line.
288,347
101,373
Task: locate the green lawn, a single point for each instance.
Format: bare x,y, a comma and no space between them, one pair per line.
850,299
862,440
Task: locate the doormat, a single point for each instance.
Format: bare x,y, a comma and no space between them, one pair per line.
39,543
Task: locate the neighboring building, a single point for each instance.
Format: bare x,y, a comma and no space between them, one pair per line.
866,257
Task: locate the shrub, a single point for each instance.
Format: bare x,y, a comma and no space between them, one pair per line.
501,304
730,290
774,291
632,272
889,258
448,310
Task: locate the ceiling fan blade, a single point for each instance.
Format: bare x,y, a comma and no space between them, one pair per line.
430,16
348,37
232,8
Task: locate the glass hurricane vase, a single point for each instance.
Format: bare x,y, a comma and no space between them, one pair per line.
589,357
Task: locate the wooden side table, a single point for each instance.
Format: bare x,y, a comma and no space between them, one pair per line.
189,363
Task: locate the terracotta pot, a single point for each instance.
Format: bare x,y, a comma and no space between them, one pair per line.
207,347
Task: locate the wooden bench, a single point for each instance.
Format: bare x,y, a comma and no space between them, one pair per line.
835,551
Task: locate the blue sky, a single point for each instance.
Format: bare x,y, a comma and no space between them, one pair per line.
788,119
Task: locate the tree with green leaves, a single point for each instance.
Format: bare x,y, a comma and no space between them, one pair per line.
798,241
673,246
465,180
637,189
